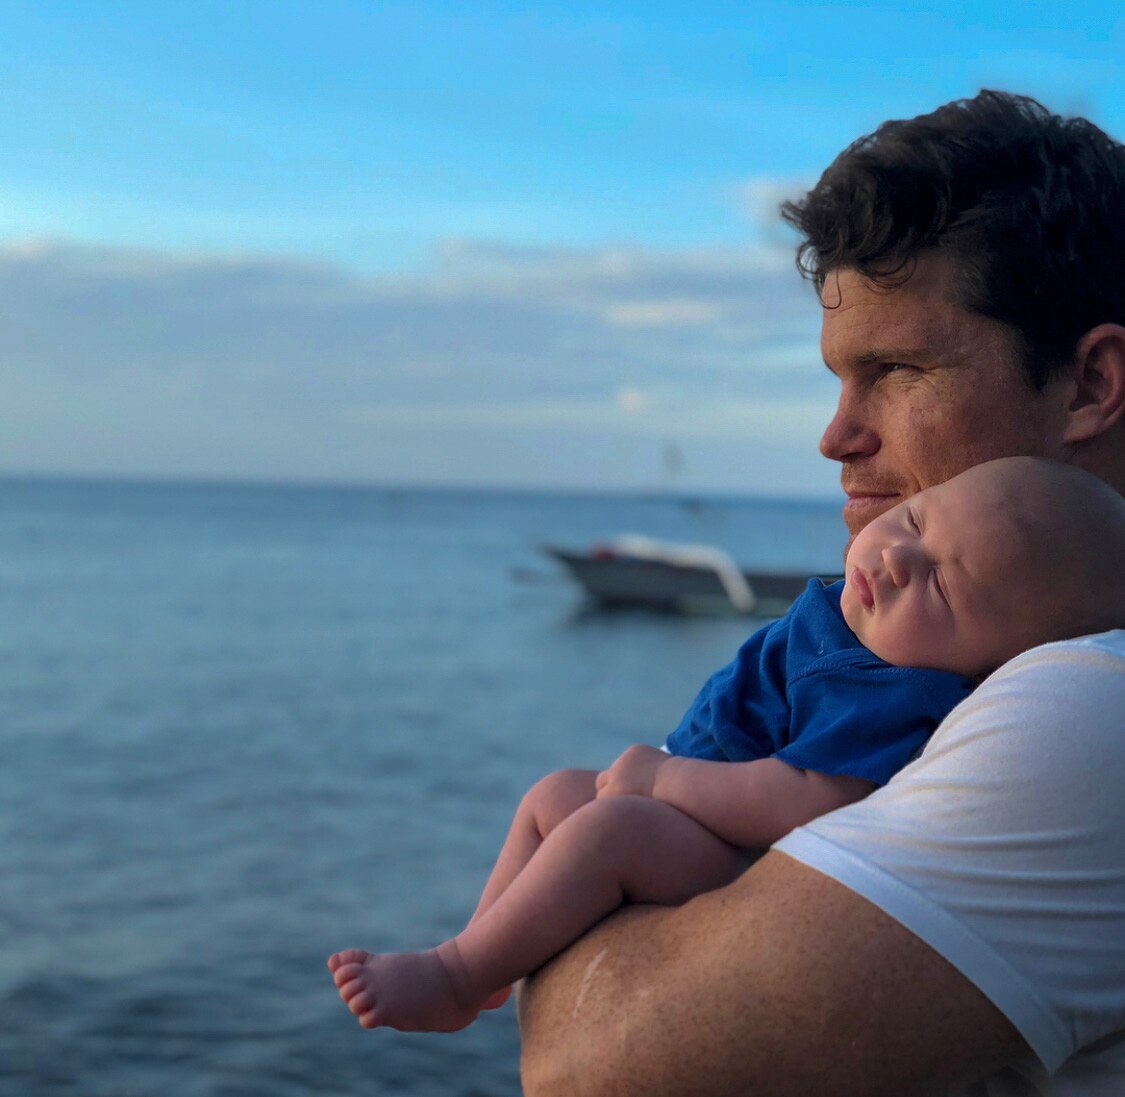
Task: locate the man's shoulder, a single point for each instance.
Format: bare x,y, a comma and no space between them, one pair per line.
1092,649
1000,846
1062,671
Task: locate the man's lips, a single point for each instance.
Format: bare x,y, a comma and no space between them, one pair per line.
862,586
865,505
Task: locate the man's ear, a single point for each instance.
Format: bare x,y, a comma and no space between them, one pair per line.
1098,375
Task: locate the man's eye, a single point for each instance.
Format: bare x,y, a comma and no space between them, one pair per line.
915,525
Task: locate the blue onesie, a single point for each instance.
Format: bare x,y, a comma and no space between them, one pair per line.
805,690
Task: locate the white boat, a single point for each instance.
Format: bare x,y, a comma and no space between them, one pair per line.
634,571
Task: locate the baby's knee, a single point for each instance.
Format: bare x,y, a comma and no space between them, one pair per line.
558,795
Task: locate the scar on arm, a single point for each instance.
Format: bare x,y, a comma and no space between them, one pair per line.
591,967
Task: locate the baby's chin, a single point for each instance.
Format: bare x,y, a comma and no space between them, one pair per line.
858,619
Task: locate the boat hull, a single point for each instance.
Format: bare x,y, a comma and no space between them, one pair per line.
624,581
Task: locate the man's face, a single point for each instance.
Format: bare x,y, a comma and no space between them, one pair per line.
928,389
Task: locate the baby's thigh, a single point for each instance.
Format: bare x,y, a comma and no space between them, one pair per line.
656,852
558,796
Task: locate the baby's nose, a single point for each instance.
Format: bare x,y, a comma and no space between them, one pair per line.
897,560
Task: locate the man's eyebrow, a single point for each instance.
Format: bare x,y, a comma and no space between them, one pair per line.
879,356
892,354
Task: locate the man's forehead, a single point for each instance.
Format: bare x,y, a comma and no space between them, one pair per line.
920,303
931,275
911,322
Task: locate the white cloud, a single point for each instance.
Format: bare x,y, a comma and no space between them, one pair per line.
632,401
629,412
239,365
669,312
761,196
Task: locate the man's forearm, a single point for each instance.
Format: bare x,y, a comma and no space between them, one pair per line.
781,985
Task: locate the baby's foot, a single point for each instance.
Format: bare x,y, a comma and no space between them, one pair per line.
410,991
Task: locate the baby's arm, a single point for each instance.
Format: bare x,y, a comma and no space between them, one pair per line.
749,804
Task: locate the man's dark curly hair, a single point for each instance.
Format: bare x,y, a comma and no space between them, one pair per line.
1028,205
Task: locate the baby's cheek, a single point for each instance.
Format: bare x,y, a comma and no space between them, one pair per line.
900,641
848,608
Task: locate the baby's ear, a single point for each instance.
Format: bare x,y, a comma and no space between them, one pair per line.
1098,377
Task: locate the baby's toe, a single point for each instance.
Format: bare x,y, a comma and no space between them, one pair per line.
349,988
346,974
348,956
361,1003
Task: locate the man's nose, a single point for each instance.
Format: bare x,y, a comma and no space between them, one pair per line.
850,433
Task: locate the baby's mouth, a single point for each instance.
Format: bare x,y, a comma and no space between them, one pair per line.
862,586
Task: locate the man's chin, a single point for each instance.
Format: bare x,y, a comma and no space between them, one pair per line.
861,510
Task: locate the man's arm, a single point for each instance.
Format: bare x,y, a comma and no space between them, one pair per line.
783,984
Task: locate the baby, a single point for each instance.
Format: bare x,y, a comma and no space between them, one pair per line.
812,715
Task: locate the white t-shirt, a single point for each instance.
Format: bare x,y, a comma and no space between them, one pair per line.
1003,847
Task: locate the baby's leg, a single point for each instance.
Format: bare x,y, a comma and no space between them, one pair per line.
615,850
623,848
546,804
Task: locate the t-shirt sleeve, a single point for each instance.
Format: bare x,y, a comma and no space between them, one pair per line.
861,717
1003,845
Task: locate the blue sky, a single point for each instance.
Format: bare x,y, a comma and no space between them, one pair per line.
431,243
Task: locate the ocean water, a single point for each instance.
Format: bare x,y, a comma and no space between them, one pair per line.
245,727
